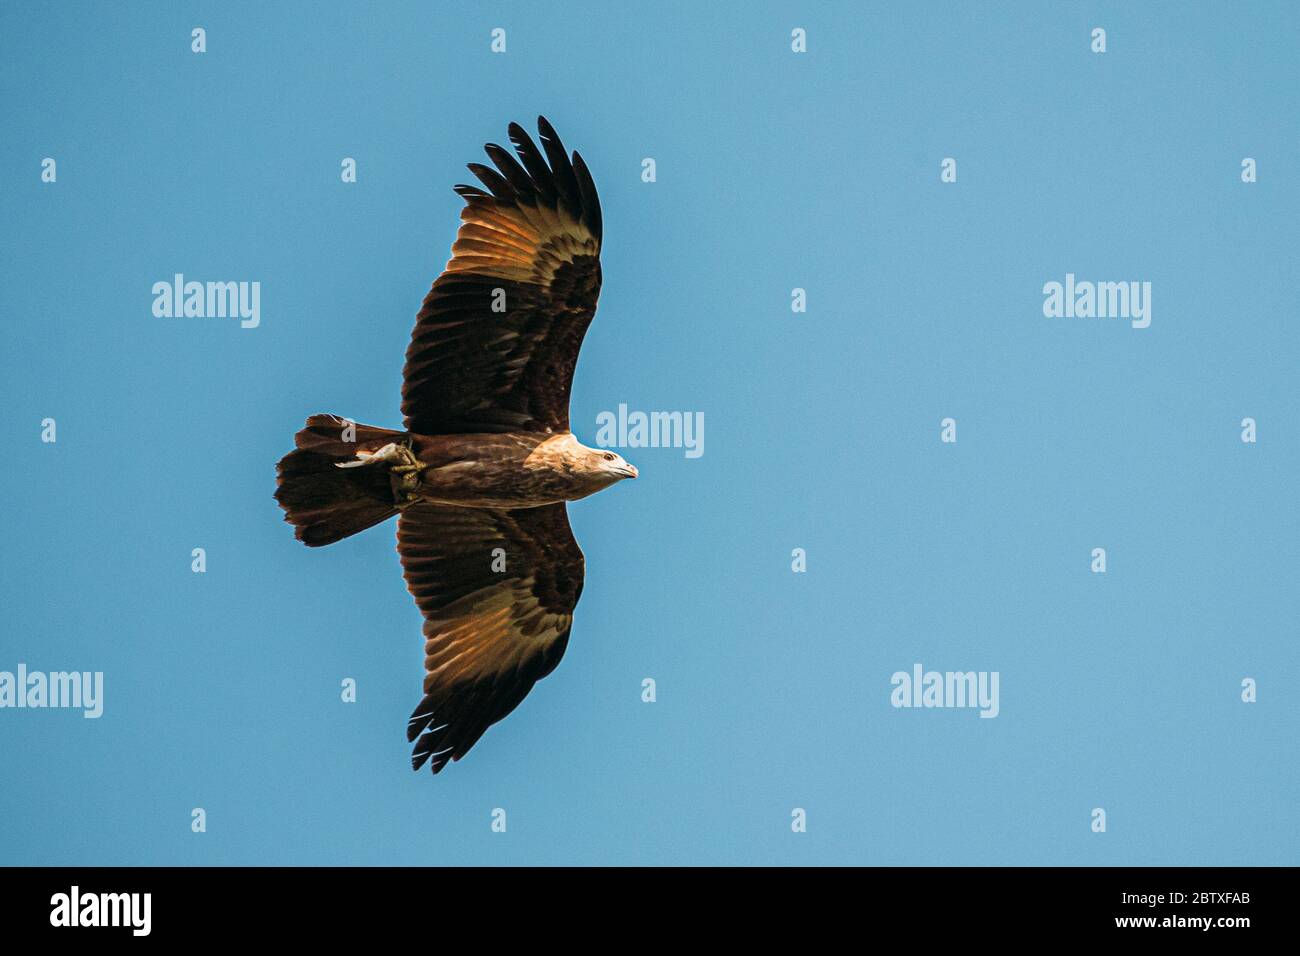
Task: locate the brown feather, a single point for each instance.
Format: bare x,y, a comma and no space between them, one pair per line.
489,634
325,503
536,239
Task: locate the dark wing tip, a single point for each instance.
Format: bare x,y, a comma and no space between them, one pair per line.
566,182
550,174
520,181
434,745
427,750
419,720
590,200
470,192
541,174
497,184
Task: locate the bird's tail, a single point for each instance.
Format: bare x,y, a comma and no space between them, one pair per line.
323,501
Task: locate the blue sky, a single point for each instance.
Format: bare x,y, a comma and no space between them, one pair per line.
775,170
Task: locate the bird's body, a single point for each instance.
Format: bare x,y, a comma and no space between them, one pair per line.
481,474
508,470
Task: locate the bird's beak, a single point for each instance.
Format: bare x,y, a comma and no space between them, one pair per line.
630,471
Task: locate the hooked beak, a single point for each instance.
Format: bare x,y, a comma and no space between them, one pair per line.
628,472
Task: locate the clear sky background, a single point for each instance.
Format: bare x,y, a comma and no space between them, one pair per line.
775,170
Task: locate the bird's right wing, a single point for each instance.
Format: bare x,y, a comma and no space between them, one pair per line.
496,621
496,343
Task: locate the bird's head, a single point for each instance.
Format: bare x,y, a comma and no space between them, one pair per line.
608,466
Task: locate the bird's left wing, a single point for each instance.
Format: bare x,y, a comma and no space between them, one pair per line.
496,342
496,621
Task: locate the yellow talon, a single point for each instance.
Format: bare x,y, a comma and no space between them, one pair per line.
405,476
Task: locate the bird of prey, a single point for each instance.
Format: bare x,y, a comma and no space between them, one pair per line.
481,472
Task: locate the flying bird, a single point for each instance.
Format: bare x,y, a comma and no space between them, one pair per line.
480,474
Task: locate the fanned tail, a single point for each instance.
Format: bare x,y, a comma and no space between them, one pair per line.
326,503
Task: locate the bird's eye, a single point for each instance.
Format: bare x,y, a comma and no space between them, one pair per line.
609,457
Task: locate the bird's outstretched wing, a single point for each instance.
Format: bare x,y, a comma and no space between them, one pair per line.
495,622
496,342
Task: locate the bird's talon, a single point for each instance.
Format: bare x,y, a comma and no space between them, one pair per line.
405,476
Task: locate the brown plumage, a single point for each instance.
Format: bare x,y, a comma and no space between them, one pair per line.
482,472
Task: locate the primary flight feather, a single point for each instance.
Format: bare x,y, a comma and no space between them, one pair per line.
480,476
